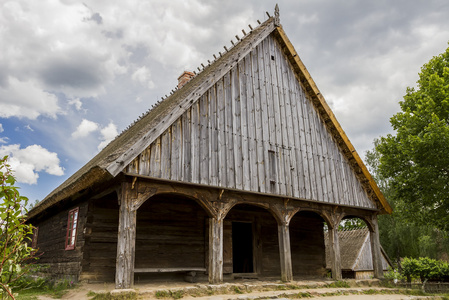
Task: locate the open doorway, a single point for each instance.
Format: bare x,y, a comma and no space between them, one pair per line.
242,247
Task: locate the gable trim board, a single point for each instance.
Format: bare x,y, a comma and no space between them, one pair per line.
115,157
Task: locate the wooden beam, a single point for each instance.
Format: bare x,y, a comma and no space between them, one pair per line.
124,274
334,247
215,251
285,252
375,249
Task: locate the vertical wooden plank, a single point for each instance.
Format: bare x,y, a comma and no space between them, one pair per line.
375,248
215,251
155,161
229,116
264,109
133,166
244,126
187,147
316,154
166,153
329,168
144,166
334,251
292,113
213,166
303,162
126,243
258,122
285,252
274,184
251,125
204,139
286,122
195,142
221,134
312,193
236,125
277,115
175,149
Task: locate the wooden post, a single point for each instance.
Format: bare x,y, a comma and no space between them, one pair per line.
334,247
375,249
285,252
215,251
124,271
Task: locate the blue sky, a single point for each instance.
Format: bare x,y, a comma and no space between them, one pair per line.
74,74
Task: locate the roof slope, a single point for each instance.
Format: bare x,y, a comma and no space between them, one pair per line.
355,251
122,150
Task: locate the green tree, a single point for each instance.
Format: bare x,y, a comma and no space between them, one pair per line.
15,255
414,162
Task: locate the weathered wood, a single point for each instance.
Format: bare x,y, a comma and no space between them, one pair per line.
215,251
284,252
375,248
334,248
168,270
124,276
227,247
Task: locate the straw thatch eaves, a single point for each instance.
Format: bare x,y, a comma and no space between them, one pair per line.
355,251
112,160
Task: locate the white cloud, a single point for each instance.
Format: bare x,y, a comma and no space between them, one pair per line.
84,129
26,99
77,103
29,127
1,128
108,133
143,76
28,162
4,140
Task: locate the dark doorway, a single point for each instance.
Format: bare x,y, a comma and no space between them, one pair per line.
242,247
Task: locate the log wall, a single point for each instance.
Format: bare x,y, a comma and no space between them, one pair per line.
170,233
62,264
307,245
256,130
100,252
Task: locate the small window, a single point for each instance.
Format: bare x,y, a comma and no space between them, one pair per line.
34,240
72,224
272,163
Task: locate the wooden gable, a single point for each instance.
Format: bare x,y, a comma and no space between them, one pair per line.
255,129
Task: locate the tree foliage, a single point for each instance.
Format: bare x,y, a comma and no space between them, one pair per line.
415,161
15,254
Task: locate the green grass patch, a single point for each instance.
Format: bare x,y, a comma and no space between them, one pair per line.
109,296
338,284
237,290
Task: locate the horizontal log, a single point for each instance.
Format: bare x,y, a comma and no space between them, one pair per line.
167,270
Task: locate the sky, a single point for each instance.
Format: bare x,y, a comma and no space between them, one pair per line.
74,74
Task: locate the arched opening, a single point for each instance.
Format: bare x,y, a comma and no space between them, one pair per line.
171,238
356,254
250,243
307,245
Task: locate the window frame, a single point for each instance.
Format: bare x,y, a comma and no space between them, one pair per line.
72,229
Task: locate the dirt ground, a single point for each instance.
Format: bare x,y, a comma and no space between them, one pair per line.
247,290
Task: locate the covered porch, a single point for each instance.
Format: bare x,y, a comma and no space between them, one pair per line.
273,234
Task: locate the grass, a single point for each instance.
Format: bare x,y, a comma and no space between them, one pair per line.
109,296
44,287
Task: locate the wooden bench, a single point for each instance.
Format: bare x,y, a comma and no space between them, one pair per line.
190,272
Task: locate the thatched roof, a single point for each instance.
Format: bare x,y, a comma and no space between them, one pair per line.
110,161
355,250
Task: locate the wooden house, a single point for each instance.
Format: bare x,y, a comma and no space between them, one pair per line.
356,259
234,173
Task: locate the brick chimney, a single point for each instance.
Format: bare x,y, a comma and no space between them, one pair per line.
184,78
